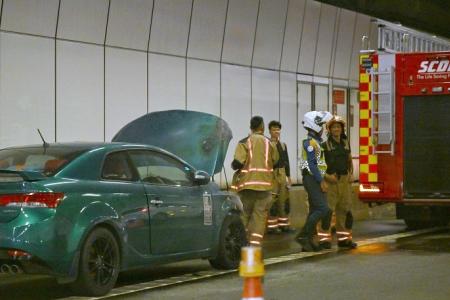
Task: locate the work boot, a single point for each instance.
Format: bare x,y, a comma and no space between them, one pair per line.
348,244
325,245
308,245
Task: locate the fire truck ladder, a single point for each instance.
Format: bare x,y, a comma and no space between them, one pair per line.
383,110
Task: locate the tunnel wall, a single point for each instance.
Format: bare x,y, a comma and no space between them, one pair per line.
80,70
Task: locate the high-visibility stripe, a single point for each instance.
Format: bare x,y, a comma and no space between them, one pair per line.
273,226
267,153
324,239
255,242
323,234
256,170
250,151
255,182
343,232
343,238
257,235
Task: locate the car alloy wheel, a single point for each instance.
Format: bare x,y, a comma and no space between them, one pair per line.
99,264
232,239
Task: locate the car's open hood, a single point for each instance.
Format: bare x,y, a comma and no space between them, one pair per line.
199,138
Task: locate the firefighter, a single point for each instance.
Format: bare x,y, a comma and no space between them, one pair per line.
313,169
254,159
282,181
339,163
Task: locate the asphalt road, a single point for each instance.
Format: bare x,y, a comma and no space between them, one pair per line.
409,268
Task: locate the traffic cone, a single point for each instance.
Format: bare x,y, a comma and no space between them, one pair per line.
252,269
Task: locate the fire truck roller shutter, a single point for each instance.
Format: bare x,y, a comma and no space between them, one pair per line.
427,147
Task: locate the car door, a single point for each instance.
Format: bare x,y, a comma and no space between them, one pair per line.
127,195
177,220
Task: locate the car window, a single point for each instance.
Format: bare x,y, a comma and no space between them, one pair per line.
116,167
38,159
158,168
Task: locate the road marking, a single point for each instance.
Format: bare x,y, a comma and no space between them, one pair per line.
145,286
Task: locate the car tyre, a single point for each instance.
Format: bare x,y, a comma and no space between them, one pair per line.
99,264
232,239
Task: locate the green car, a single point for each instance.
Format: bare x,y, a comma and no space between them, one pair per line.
83,212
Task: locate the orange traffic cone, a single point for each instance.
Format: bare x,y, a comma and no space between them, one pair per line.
252,269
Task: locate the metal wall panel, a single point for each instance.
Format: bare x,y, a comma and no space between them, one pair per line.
304,96
294,25
170,26
288,118
269,34
125,88
344,44
79,92
321,94
166,82
325,42
129,23
236,104
240,31
34,17
362,28
265,94
83,20
309,37
207,29
203,86
27,94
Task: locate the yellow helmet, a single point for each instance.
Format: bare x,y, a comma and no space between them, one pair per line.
336,119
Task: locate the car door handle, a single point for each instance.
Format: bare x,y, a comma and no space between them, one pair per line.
156,202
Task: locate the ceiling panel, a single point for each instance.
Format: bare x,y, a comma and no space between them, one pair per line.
240,31
34,17
83,20
269,34
129,23
207,29
170,26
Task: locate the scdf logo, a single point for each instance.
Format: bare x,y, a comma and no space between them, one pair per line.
434,66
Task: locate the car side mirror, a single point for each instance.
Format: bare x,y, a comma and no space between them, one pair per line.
201,177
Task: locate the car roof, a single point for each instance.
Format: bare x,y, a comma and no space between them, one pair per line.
87,146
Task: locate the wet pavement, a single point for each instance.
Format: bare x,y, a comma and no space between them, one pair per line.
430,248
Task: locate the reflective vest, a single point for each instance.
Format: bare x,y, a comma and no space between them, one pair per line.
319,152
258,156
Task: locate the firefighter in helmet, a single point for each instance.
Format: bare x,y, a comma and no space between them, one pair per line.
253,162
313,169
339,164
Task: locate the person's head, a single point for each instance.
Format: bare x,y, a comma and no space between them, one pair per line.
336,127
257,124
313,121
275,129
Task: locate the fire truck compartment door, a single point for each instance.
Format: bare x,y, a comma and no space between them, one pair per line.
427,146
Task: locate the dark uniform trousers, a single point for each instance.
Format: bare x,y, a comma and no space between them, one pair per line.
318,207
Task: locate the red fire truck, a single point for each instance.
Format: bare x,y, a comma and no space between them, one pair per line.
405,134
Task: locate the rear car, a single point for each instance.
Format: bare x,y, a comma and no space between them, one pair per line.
83,212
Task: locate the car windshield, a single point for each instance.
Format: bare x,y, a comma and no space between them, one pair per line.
46,161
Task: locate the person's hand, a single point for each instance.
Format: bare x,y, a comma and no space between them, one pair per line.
324,186
332,178
289,181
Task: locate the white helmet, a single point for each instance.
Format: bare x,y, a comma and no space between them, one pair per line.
314,120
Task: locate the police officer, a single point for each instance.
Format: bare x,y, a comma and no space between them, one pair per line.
282,181
313,169
339,163
254,159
